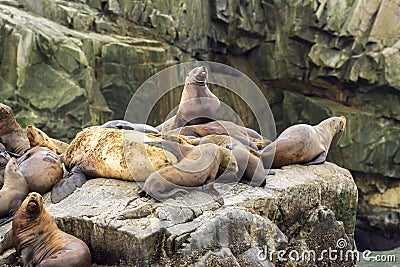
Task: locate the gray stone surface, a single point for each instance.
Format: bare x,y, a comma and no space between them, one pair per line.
125,230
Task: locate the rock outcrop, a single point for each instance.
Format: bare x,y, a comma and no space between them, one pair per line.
69,64
301,208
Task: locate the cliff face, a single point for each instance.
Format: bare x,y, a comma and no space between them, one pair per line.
68,64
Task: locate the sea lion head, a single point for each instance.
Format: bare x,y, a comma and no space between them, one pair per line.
36,137
197,76
228,160
12,166
4,158
6,119
339,124
33,204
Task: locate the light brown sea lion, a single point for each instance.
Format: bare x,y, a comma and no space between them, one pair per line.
42,169
245,135
14,190
197,166
198,104
109,153
37,137
39,242
11,134
303,143
250,166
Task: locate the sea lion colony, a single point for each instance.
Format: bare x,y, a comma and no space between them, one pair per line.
168,159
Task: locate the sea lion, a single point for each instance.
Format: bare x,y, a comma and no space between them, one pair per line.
42,169
14,190
39,242
303,143
11,134
126,125
197,166
198,104
110,153
221,127
250,166
4,158
37,137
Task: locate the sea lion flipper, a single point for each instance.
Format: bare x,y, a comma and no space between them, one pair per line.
209,189
318,159
12,154
67,185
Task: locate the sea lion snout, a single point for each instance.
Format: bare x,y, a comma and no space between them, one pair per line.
232,166
197,75
339,123
342,124
5,110
12,164
34,202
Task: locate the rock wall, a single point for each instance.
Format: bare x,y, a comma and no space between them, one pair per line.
69,64
301,209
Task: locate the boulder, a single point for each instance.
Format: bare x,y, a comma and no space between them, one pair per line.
301,208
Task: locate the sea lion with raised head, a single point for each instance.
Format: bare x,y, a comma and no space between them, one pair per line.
37,137
39,242
11,134
198,104
197,166
42,169
14,190
303,143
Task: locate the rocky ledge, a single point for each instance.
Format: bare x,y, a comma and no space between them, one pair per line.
301,208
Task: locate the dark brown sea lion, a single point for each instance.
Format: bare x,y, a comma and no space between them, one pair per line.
39,242
14,190
197,166
198,104
303,143
37,137
11,134
42,169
